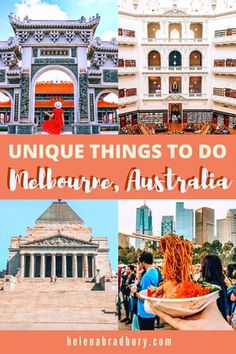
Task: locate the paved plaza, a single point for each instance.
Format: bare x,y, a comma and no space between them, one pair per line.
67,304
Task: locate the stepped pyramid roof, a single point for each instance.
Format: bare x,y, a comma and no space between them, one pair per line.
59,212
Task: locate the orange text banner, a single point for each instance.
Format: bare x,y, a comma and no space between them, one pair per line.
118,167
166,342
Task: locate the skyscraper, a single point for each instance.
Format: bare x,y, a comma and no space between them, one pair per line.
167,224
204,225
184,221
226,228
143,223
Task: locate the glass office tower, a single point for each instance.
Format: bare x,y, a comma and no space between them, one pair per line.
143,224
184,221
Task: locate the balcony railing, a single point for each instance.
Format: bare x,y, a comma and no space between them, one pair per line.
225,40
154,95
175,40
225,70
159,96
174,68
127,70
127,66
225,36
225,62
224,95
225,66
126,33
127,96
127,40
227,92
127,100
195,94
126,63
224,100
126,36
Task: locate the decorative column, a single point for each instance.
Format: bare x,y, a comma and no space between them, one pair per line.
31,270
24,109
83,95
74,266
22,265
165,61
42,266
185,85
165,85
85,266
53,266
64,272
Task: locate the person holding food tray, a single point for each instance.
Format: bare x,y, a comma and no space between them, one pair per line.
179,300
209,319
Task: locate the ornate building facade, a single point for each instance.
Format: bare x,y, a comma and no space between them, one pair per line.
67,46
59,245
47,93
177,61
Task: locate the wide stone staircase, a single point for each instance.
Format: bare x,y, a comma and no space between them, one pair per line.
68,304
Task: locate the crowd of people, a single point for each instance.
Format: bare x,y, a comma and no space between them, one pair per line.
136,277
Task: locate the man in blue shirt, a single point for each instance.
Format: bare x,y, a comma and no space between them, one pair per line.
151,276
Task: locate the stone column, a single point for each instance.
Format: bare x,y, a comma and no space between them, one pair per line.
95,265
22,265
31,270
42,266
82,266
92,266
85,266
53,266
64,272
74,266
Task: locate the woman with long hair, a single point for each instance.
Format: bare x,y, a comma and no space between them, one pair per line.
56,120
212,272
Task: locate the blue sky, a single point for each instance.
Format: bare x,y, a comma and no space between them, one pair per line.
61,9
17,215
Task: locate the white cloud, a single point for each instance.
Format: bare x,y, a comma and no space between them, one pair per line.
107,36
39,10
112,98
3,97
54,75
91,2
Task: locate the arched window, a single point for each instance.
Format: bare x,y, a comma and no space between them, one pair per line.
153,30
175,84
155,85
5,107
195,85
175,31
195,59
196,29
154,58
175,59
